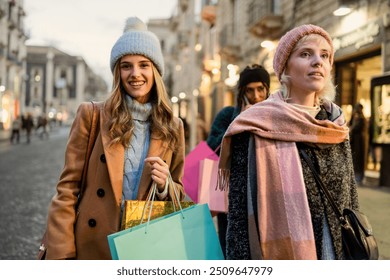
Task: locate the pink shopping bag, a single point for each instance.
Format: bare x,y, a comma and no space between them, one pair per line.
191,168
208,192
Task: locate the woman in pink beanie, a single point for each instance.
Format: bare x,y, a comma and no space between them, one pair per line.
276,209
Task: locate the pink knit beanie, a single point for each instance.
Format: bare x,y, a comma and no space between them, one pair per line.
290,39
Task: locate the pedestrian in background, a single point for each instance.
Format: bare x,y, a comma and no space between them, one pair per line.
42,123
28,126
374,149
253,87
139,142
276,209
358,138
16,127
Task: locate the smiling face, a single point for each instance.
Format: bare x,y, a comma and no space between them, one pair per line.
308,68
137,76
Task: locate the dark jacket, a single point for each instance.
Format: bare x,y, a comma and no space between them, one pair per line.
335,167
220,125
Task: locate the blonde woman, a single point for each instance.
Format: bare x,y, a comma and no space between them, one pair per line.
139,142
276,210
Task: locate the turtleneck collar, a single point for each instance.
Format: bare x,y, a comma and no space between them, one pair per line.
312,110
140,112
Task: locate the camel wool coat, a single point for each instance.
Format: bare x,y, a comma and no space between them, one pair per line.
83,235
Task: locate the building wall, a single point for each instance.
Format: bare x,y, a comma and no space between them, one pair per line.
28,80
57,83
12,60
294,13
228,37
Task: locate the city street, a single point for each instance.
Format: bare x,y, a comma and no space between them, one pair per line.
29,173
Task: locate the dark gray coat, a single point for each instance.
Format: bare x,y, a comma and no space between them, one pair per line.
335,167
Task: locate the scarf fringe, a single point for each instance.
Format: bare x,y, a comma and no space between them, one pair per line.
223,179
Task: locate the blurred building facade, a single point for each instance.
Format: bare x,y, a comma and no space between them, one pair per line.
39,79
12,60
216,39
56,83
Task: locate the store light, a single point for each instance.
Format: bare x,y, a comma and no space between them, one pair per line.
182,95
215,71
233,75
198,47
342,11
174,99
269,45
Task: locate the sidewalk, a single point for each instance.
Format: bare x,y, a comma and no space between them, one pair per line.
5,135
371,179
373,202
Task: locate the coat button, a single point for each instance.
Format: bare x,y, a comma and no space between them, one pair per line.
92,222
103,158
100,193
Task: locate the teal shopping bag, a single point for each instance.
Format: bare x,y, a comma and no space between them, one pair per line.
188,234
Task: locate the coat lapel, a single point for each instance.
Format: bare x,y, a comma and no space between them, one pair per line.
114,157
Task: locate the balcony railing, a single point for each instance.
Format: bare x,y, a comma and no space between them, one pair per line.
228,41
265,19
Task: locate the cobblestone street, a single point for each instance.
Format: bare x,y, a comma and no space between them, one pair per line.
29,173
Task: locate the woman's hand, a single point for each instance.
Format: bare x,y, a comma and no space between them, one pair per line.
160,171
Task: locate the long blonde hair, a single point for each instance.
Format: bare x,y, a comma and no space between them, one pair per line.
162,120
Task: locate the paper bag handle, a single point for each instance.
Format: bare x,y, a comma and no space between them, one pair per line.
152,194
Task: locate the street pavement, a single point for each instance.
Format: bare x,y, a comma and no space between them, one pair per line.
375,204
29,174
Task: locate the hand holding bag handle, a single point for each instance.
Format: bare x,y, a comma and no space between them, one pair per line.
91,142
358,240
186,235
150,198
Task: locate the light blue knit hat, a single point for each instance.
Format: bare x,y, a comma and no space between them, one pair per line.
136,39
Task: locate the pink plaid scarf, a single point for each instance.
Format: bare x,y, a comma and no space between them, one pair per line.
284,219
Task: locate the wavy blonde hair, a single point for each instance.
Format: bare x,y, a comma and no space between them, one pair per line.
162,120
329,90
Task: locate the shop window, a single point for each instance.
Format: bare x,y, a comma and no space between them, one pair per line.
381,113
353,83
346,88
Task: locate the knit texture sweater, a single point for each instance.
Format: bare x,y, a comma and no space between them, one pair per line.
135,153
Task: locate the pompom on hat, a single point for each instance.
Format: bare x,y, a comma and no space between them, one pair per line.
290,39
137,40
